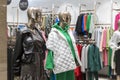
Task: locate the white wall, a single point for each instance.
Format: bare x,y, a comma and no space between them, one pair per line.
103,11
12,12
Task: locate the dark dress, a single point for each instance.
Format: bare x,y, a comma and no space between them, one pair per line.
29,56
117,61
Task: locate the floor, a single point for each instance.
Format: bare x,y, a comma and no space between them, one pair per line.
103,79
3,71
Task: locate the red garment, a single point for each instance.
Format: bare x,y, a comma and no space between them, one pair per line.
105,57
104,45
85,21
77,71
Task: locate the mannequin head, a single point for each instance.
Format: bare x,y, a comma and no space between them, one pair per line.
34,16
38,16
31,16
65,18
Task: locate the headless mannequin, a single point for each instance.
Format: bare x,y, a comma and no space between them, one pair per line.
65,19
115,39
118,76
119,31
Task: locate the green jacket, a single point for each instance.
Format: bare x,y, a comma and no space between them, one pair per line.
94,62
49,60
88,22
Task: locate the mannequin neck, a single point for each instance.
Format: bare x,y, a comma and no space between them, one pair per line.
38,26
63,25
31,24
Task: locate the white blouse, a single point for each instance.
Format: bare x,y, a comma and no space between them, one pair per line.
115,39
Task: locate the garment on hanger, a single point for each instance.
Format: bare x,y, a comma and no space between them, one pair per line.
77,71
48,24
91,62
102,37
84,58
85,22
104,47
79,23
97,36
94,64
88,22
85,25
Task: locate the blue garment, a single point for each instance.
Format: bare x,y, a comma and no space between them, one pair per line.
52,76
83,24
22,27
57,20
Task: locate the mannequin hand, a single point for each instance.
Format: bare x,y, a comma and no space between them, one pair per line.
49,72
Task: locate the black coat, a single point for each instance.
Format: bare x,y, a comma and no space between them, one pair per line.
78,28
29,55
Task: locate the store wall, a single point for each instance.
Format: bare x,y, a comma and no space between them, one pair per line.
12,8
3,41
103,10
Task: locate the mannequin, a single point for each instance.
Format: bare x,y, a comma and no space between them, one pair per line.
65,19
115,45
61,45
30,49
31,17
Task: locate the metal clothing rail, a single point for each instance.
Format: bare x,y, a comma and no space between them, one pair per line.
87,10
15,23
116,9
86,41
102,24
47,12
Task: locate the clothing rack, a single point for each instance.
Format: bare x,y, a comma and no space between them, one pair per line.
116,9
85,41
87,10
47,12
102,24
15,23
